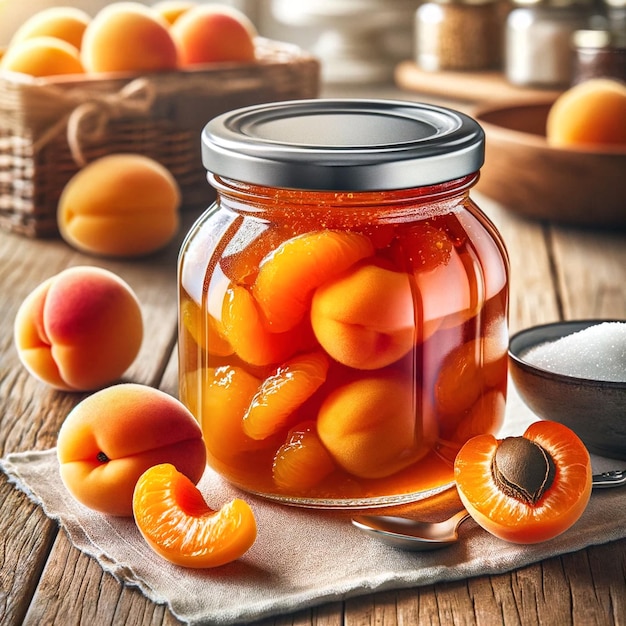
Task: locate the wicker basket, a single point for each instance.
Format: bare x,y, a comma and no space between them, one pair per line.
49,130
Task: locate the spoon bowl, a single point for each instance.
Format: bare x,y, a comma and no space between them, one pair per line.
416,535
408,534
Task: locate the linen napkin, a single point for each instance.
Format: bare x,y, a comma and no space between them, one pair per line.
301,558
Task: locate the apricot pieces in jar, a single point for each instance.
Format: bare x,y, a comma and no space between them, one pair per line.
525,489
371,426
289,275
177,523
352,326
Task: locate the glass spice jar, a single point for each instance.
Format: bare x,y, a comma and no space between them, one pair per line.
538,34
615,11
599,54
458,35
343,303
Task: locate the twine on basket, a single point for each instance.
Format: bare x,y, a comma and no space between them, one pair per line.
88,121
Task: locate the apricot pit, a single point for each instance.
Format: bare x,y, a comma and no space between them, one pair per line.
522,469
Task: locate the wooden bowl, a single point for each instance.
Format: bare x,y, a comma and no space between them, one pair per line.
522,172
593,409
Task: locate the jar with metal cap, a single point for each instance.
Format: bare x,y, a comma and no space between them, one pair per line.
343,303
538,34
615,11
599,53
458,35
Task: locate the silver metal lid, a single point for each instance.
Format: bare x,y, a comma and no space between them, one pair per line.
343,145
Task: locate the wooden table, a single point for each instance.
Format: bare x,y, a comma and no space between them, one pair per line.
556,273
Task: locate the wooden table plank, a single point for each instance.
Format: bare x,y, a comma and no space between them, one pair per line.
591,270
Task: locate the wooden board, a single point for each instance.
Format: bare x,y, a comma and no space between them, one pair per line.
491,87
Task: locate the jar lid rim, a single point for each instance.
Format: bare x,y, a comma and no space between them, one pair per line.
343,144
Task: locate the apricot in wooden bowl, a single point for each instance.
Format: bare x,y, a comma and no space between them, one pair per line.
578,185
80,329
120,205
114,435
575,373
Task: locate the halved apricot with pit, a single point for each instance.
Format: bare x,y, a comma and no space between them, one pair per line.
525,489
365,317
178,524
282,393
288,275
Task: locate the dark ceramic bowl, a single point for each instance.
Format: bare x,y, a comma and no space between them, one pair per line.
595,410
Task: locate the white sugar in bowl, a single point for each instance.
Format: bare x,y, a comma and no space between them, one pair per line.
575,373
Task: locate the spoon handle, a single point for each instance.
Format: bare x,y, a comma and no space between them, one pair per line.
613,478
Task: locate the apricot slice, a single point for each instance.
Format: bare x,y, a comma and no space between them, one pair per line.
203,325
110,438
302,462
226,395
245,330
525,489
289,275
282,393
177,523
372,426
590,113
365,317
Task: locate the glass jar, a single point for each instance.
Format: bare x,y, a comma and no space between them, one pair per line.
343,303
458,35
538,35
599,54
615,11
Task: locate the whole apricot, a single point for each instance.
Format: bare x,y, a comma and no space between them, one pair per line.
121,205
113,436
212,33
66,23
171,10
128,37
42,56
79,330
589,113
